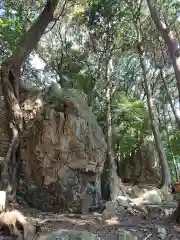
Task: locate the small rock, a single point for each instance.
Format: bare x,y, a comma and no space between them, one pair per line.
123,201
155,210
152,197
111,207
126,235
168,212
162,232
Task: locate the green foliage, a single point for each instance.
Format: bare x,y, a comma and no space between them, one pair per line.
173,142
11,30
132,123
17,16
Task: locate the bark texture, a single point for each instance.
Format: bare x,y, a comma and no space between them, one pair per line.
170,99
115,184
166,177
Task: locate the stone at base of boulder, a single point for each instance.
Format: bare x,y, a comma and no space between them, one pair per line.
155,210
123,201
86,204
126,235
111,208
116,207
161,232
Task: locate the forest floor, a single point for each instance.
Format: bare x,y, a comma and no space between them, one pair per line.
145,227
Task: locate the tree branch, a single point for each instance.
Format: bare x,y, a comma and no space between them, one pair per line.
33,35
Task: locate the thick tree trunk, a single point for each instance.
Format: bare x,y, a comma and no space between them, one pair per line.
169,40
176,169
10,73
114,181
166,176
167,135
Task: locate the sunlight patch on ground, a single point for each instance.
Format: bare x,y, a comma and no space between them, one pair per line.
112,221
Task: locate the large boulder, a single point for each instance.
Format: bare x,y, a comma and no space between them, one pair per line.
63,149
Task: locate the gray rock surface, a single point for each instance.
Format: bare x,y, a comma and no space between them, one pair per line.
69,235
63,148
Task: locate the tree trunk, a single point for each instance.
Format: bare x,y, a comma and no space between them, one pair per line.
114,181
174,160
169,99
166,176
176,169
169,40
10,73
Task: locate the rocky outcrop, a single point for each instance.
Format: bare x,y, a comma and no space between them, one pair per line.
62,149
142,166
149,193
149,202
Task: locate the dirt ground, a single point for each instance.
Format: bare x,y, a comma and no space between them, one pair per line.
145,227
